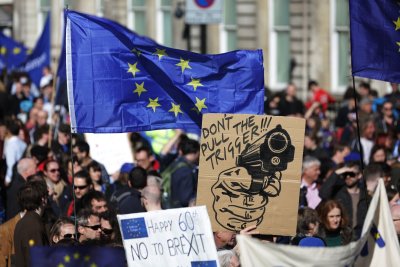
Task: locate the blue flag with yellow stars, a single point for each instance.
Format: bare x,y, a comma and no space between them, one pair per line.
12,53
40,56
119,81
375,39
77,256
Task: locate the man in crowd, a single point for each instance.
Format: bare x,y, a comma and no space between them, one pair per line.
184,174
89,227
30,230
82,151
151,198
14,147
128,199
311,171
95,201
82,185
7,250
145,158
25,168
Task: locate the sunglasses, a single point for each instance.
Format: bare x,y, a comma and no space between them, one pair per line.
107,231
69,236
351,174
54,170
80,187
93,227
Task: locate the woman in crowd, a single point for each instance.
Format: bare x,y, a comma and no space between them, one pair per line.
94,170
334,224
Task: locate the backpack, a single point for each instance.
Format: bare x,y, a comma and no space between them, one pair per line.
117,199
166,182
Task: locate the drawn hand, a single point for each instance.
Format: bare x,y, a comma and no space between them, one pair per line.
235,205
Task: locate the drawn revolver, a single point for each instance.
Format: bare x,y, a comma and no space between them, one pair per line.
241,193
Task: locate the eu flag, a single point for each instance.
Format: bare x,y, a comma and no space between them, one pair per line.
40,56
12,53
375,39
77,256
119,81
134,228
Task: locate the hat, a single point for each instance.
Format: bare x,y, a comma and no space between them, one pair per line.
353,156
64,128
24,80
26,105
312,242
127,167
45,81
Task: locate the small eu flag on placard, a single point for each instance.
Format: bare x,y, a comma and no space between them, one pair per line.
203,264
134,228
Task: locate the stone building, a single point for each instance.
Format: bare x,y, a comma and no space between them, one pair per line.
300,39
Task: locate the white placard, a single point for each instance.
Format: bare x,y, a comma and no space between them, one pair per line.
203,11
111,150
175,237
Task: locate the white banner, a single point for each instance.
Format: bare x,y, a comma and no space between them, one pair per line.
378,245
111,150
175,237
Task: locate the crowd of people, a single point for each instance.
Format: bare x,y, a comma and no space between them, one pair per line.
54,193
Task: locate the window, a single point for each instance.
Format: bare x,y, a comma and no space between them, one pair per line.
137,16
164,22
100,8
279,43
229,26
340,53
44,9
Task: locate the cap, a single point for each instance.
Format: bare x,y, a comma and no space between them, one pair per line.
127,167
24,80
45,81
353,156
312,242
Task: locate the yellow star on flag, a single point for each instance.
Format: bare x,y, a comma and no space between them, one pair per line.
67,258
16,50
195,83
93,265
397,23
184,64
398,43
200,104
160,53
60,265
3,50
137,52
133,69
86,258
176,109
76,255
140,88
153,103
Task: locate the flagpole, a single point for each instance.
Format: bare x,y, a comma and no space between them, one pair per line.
358,125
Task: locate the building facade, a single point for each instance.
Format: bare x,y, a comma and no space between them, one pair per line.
301,39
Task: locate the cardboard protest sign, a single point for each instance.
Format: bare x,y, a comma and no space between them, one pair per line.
175,237
112,150
250,171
